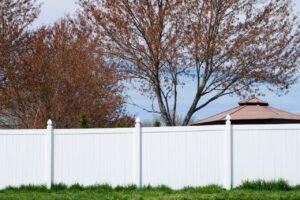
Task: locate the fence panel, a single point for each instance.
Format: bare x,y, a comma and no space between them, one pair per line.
266,152
22,157
93,156
173,156
182,156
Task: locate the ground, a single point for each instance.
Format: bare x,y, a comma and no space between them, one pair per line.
60,192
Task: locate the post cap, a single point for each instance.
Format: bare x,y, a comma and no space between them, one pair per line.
49,122
137,120
228,118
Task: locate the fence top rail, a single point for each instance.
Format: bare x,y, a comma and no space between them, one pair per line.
251,127
184,129
93,131
22,131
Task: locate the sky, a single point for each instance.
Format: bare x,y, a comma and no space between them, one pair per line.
53,10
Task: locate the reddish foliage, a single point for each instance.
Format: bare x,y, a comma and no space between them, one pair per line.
55,72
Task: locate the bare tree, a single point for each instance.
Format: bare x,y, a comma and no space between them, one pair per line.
222,46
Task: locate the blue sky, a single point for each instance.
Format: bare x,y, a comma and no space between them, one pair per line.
55,9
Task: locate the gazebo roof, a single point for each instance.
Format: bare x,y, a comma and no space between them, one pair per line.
253,101
252,111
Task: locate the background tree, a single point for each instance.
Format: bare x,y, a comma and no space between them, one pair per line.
222,47
125,122
16,16
56,72
68,76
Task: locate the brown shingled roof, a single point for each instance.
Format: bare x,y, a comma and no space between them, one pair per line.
252,111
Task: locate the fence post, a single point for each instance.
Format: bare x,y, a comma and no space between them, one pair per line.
228,154
137,153
49,154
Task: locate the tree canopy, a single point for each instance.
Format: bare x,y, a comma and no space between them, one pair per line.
75,67
56,71
223,47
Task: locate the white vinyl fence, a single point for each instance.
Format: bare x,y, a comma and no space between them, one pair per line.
174,156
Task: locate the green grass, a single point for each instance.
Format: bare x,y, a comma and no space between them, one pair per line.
279,185
248,190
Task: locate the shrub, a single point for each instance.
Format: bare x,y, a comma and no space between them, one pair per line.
76,187
125,188
125,122
156,123
100,188
280,184
83,122
35,188
59,187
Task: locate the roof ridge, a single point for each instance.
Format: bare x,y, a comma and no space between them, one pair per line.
272,108
217,114
239,108
253,101
235,109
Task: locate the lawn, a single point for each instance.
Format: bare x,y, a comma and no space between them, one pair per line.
253,190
